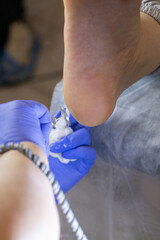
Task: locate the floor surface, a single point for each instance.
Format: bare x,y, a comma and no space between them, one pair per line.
46,18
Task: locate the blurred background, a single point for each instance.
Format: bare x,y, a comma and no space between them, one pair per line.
112,202
43,19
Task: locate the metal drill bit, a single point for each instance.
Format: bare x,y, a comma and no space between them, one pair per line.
63,112
53,122
65,116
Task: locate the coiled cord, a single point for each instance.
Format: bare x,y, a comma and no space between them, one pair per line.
61,199
60,196
67,211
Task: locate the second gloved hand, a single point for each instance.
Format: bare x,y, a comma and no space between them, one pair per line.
22,120
74,146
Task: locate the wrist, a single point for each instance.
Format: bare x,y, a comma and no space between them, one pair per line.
35,149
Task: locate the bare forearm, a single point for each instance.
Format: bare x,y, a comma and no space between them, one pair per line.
27,209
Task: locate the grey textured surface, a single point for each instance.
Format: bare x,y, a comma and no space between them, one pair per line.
115,201
131,137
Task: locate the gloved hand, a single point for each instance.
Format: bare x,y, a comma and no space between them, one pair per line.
25,121
73,146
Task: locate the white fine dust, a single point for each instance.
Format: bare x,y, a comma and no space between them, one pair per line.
56,134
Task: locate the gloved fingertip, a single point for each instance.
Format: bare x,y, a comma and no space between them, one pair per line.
55,147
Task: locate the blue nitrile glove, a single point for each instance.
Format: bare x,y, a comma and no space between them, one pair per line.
22,120
74,146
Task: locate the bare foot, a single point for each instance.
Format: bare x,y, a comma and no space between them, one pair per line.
101,37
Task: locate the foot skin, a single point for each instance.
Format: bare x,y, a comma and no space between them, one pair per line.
101,37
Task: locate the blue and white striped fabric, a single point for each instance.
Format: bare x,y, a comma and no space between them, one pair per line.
151,8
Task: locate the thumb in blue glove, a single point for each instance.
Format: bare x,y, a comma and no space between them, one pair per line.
74,146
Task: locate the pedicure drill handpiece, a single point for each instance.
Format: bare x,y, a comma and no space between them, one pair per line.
60,128
64,124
